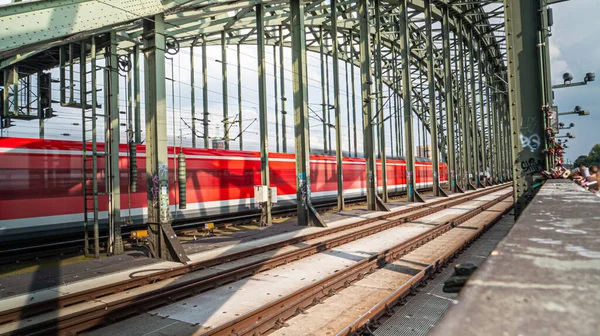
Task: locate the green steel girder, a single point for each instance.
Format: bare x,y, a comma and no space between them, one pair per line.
188,19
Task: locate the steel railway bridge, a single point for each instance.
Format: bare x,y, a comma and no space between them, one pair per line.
467,72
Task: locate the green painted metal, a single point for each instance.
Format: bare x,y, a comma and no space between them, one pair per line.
352,84
240,106
467,149
380,104
474,128
324,102
263,118
373,200
136,92
337,106
276,101
41,116
306,213
205,113
193,94
283,97
89,159
163,242
435,157
225,92
112,140
404,36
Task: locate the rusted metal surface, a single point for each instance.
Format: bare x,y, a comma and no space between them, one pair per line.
543,278
380,309
273,315
94,315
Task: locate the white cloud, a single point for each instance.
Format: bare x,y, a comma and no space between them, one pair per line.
558,64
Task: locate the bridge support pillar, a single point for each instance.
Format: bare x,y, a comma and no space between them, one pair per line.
413,195
163,241
306,213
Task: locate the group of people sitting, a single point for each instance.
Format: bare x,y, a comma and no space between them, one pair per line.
586,177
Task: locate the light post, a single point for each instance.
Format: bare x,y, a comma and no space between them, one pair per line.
577,110
568,80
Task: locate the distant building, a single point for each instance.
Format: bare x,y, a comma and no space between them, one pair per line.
424,151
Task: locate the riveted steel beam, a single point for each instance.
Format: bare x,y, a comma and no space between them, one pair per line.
163,240
404,36
525,88
306,213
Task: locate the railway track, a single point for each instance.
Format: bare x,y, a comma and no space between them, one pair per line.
78,311
71,245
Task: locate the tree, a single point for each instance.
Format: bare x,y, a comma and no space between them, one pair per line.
593,158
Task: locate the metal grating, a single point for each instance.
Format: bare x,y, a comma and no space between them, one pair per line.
423,310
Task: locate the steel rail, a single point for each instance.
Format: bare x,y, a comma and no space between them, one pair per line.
274,314
93,316
383,307
69,244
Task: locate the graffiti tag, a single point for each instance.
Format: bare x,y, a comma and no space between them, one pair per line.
532,142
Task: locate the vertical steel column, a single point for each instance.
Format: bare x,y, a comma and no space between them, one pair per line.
283,98
484,151
163,240
62,62
129,129
84,141
336,103
239,87
380,109
347,77
41,115
490,130
404,35
205,112
275,88
136,93
464,110
263,116
473,113
192,95
115,244
324,103
398,116
329,107
390,116
373,200
497,134
307,215
525,87
225,91
354,127
435,157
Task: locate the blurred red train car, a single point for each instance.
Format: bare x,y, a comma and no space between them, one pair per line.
41,189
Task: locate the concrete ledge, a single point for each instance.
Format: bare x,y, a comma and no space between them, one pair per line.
543,278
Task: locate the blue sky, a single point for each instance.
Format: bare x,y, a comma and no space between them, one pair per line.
575,49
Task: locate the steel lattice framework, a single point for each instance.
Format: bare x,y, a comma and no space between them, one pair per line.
446,60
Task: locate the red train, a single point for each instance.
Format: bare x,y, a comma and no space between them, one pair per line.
41,189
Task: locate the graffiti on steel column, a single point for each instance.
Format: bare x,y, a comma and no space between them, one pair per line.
154,190
304,189
163,171
532,142
532,166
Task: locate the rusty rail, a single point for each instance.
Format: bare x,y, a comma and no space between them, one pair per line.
85,319
397,297
274,314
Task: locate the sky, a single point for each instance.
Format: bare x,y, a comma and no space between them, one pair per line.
575,48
